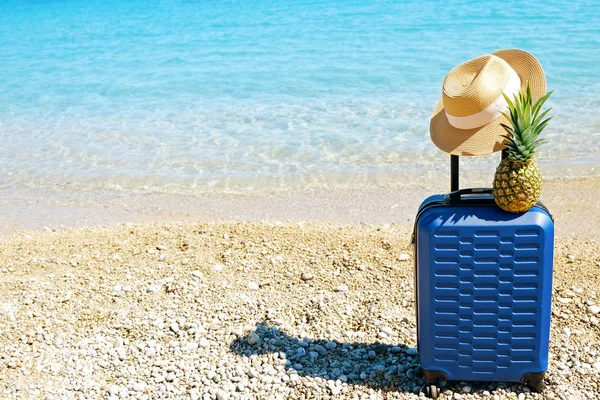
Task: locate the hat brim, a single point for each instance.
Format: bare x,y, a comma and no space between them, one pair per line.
488,138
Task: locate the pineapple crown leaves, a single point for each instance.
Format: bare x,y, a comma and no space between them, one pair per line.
527,122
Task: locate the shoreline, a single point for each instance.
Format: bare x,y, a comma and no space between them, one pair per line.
573,202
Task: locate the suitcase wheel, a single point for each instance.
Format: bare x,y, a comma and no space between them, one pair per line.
537,387
432,380
534,381
433,391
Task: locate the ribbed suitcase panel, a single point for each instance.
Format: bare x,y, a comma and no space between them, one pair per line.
484,292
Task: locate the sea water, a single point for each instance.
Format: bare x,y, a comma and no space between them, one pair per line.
197,96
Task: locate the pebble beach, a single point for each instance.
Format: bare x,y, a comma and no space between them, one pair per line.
249,310
214,200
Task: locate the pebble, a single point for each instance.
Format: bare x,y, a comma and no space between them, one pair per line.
152,288
253,338
218,267
403,257
190,346
412,351
466,389
341,288
380,348
577,289
222,395
593,310
387,330
330,345
320,349
174,327
204,343
139,386
564,300
114,389
253,286
307,276
55,368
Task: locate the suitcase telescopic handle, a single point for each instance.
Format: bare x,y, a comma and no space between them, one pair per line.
455,193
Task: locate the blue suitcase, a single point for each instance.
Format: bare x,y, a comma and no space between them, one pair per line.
483,288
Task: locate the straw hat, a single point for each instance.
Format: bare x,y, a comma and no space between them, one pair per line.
466,121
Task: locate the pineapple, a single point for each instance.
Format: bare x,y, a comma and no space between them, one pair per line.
517,182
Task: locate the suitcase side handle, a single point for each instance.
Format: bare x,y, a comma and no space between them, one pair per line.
454,171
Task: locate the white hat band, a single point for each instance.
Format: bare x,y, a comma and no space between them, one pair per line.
492,111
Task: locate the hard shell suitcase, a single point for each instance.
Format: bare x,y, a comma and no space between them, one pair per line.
483,287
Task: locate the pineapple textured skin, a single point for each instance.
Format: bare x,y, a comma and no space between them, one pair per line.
517,185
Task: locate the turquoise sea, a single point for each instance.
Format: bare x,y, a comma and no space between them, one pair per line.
201,96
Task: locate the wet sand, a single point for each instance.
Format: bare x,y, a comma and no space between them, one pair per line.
575,205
